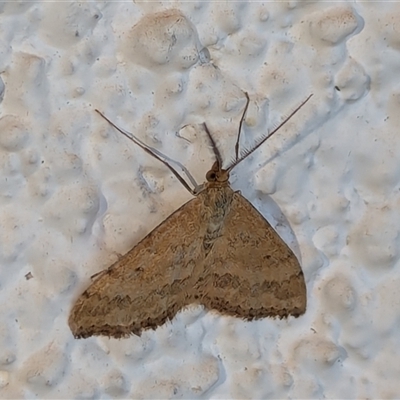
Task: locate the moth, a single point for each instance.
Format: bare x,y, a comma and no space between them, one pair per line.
216,250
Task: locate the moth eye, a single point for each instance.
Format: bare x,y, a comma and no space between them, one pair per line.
211,176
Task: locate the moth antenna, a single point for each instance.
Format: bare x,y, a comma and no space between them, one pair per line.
214,146
186,171
156,156
260,141
240,125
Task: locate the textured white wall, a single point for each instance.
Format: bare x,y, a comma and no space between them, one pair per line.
73,192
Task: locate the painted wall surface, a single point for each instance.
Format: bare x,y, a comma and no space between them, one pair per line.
74,193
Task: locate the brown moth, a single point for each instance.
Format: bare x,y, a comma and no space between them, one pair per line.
216,250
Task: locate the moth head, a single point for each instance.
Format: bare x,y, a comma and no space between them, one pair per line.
217,174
